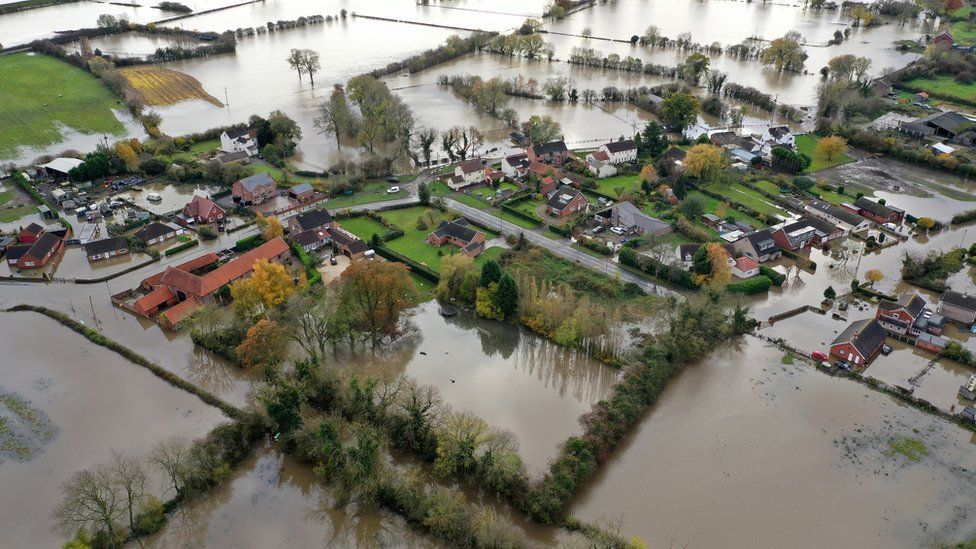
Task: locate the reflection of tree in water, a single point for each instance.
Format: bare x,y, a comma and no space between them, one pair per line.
496,337
564,369
211,372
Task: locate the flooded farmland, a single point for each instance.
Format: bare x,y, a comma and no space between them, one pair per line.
745,451
97,402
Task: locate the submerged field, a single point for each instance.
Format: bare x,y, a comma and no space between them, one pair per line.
61,96
160,86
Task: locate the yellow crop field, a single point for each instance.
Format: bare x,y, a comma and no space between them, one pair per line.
160,86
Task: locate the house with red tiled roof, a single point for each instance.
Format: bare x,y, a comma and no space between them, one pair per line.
203,210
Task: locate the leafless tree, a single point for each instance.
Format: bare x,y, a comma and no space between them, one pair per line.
90,500
172,456
129,474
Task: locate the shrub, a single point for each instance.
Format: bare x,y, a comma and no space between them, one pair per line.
777,278
249,242
754,285
207,233
180,247
151,518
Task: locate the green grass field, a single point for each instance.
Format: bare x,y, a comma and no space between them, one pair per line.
373,191
963,32
413,243
625,183
945,85
711,205
805,144
279,175
204,146
529,206
40,95
12,213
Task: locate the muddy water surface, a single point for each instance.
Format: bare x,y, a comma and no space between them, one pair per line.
744,451
98,402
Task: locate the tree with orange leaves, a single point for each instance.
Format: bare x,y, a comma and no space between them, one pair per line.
375,293
263,346
270,227
269,286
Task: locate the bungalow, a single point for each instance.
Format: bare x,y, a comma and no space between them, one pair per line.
348,244
759,246
859,343
824,231
599,163
303,192
954,305
239,140
554,152
203,210
566,201
744,267
620,152
710,219
516,165
467,173
234,157
255,189
795,236
106,248
40,253
879,213
846,219
634,221
157,232
944,38
458,233
310,220
312,239
778,136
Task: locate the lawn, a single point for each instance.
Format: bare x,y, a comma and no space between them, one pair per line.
373,191
624,183
514,219
711,206
744,195
805,144
204,146
413,243
476,198
963,31
278,174
363,227
529,206
945,85
767,186
60,96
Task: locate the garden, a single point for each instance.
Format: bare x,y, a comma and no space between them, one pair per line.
945,86
806,144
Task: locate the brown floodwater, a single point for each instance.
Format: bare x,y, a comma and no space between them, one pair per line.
744,451
511,378
98,402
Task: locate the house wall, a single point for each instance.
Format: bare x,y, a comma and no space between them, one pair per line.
956,313
846,351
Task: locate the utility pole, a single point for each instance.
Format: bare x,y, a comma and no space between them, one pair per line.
92,305
226,100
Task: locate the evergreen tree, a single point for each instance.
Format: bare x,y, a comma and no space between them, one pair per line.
506,299
700,263
491,272
423,192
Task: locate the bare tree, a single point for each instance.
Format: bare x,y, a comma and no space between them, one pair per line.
426,138
310,63
90,500
130,477
294,60
173,457
337,118
309,312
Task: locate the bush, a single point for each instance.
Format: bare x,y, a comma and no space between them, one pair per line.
754,285
207,233
963,217
777,278
180,247
151,518
249,243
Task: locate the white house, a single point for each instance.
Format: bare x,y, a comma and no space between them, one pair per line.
778,136
241,140
467,173
744,267
620,151
599,164
516,165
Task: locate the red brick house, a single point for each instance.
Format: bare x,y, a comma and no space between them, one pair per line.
553,152
203,210
859,343
255,189
460,234
879,213
566,201
303,192
944,38
37,255
30,233
795,236
349,244
310,220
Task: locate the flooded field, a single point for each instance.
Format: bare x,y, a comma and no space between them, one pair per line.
512,378
172,197
97,402
744,451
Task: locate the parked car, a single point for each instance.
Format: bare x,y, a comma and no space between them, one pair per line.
843,364
598,229
392,179
393,190
886,349
817,355
890,226
333,260
618,230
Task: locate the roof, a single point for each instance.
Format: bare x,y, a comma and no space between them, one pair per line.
232,157
312,236
188,266
257,180
520,160
17,251
912,303
550,148
459,229
106,245
867,204
628,215
798,231
867,336
744,263
472,166
179,312
33,228
779,132
915,127
62,165
762,241
957,299
602,156
563,197
241,265
237,132
155,230
621,146
313,219
846,216
43,245
301,188
822,226
951,122
722,138
154,298
942,148
675,153
200,206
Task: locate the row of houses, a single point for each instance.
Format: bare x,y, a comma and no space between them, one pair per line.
35,247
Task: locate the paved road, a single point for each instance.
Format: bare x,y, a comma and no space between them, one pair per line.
559,248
